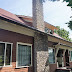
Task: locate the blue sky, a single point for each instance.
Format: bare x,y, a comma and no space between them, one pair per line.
55,13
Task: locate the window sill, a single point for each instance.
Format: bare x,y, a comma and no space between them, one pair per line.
52,63
22,67
70,61
6,66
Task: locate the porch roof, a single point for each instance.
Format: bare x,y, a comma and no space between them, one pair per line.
63,46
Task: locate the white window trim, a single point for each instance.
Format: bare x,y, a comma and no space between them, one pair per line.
70,56
5,54
54,54
17,54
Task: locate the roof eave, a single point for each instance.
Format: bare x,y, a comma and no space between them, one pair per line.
32,28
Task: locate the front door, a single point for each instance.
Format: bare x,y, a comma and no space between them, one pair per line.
60,60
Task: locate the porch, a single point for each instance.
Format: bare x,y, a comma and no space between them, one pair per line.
63,57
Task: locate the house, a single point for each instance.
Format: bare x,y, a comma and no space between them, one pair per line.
23,48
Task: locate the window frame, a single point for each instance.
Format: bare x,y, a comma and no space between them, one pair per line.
17,54
5,54
46,30
70,56
54,55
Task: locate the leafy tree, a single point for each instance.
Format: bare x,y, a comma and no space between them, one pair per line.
70,24
63,33
69,2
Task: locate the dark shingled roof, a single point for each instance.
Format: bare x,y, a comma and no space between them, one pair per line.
10,16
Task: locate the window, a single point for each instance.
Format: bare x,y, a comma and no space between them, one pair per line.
24,55
51,32
70,52
51,55
5,53
48,31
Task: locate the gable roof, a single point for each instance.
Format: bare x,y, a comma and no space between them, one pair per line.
28,20
22,20
9,16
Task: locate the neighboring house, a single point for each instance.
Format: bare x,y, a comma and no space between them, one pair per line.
23,48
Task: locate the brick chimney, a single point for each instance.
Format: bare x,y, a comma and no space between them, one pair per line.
38,21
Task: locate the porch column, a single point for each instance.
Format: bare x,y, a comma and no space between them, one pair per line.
64,57
41,53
